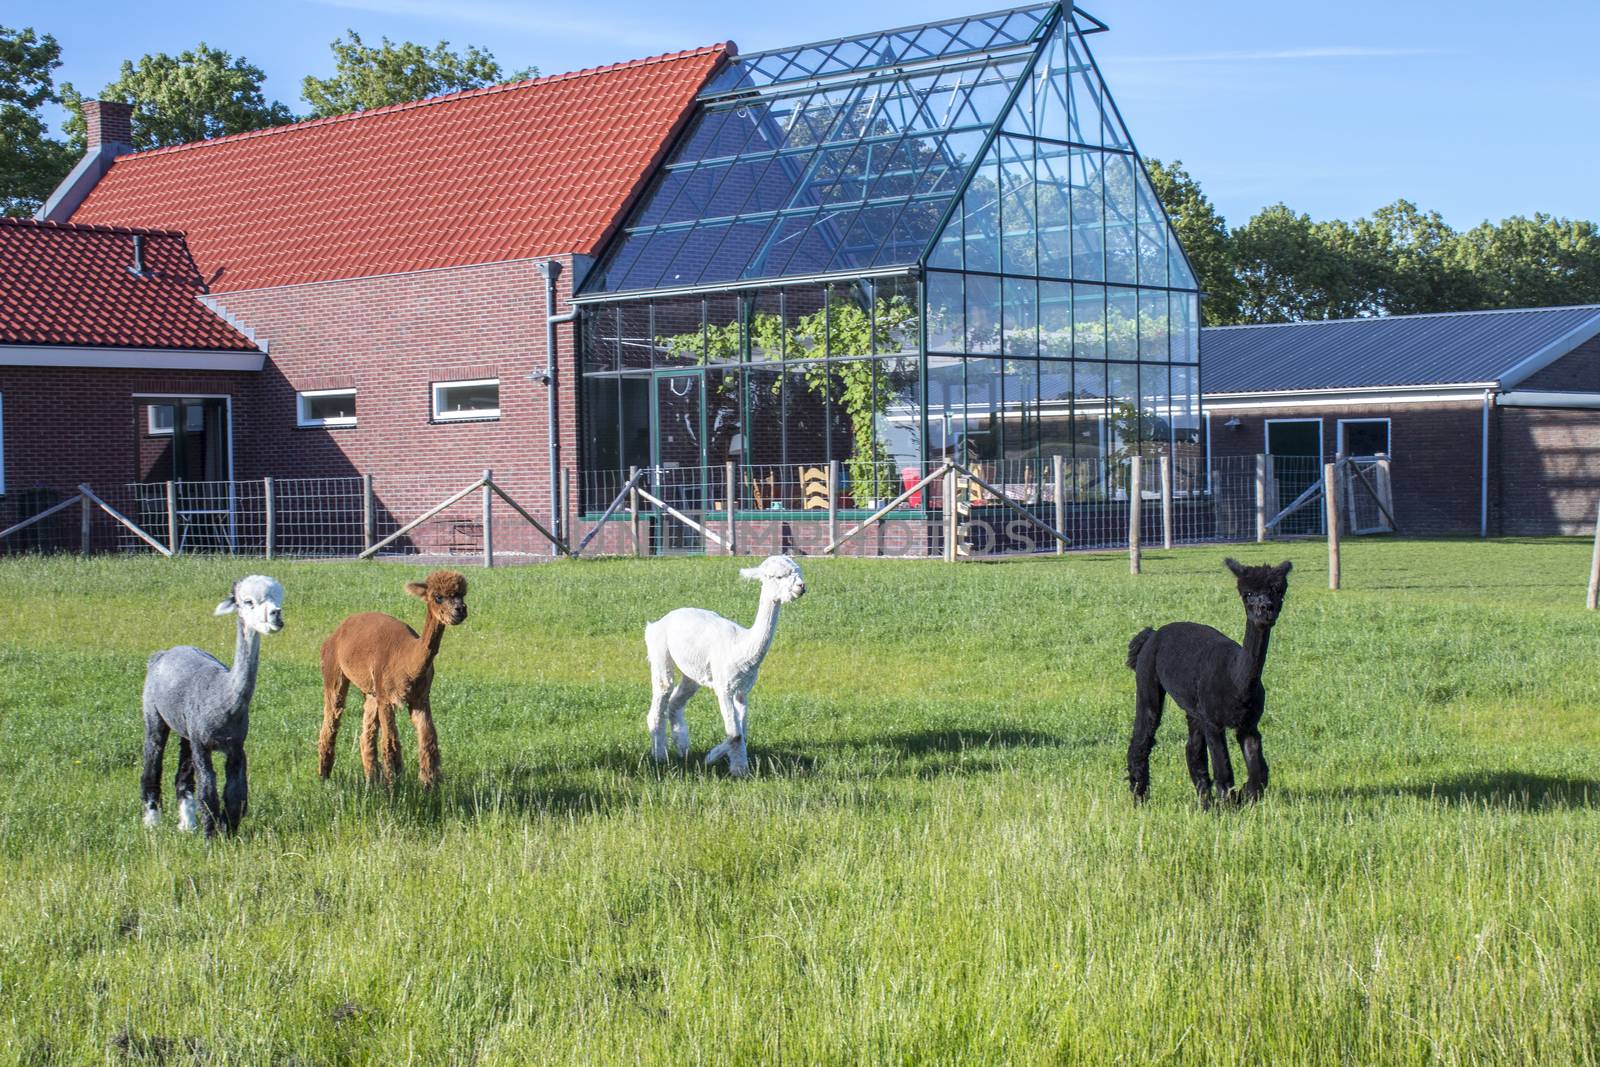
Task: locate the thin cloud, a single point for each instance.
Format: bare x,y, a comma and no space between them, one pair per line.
511,17
1285,55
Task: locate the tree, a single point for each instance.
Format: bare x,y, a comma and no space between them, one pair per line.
1292,269
1204,236
31,162
1538,262
366,77
1409,257
188,97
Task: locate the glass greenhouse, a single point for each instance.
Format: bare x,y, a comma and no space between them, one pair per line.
890,249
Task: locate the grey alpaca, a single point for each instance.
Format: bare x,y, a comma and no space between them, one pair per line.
190,693
1215,681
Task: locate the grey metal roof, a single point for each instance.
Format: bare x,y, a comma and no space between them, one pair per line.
1453,348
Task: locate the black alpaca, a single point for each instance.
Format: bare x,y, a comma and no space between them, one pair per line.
1216,682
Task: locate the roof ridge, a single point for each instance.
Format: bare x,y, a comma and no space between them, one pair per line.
88,227
1401,318
442,98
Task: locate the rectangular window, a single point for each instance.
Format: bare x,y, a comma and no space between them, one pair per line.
325,407
458,401
1364,437
159,418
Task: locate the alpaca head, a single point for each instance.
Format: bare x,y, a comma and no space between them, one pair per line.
1262,589
779,576
258,601
445,593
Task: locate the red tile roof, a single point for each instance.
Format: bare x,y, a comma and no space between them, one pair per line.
73,285
533,168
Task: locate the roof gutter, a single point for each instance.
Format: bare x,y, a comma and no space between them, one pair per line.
1529,398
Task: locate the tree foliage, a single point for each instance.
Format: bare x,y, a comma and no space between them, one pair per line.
1204,236
201,93
366,77
31,162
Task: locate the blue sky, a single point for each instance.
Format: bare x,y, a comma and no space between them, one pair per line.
1478,110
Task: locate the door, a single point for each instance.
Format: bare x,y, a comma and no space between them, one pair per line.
1295,446
187,440
679,436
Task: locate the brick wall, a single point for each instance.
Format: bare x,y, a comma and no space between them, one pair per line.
1437,450
1550,470
391,338
1577,371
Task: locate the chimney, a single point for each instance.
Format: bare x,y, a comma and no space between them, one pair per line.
110,122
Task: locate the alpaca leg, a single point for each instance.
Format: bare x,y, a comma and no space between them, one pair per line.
235,789
741,711
370,710
733,746
155,746
1148,700
206,778
677,700
1255,764
333,694
661,673
183,784
1221,765
1195,752
427,745
394,764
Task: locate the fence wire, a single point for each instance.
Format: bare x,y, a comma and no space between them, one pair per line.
793,507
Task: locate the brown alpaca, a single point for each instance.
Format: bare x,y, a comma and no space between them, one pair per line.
392,665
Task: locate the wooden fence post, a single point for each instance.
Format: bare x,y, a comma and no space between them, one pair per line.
1261,497
564,531
1330,496
172,516
86,526
1135,511
1594,566
269,501
633,509
368,525
952,521
1385,487
488,519
1166,501
833,501
730,475
1058,475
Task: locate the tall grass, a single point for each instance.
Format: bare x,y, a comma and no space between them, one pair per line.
936,860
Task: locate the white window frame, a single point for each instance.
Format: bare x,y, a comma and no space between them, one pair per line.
437,389
305,422
1388,432
164,431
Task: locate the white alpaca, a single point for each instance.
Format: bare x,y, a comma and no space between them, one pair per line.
711,651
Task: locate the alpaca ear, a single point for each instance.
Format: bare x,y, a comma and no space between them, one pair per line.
1285,567
417,589
227,607
1235,566
750,574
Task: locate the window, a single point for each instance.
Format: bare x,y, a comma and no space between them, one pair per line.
158,418
456,401
326,407
1364,437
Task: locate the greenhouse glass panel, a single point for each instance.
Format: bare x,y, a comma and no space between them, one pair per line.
891,248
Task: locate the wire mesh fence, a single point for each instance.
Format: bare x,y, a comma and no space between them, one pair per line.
991,508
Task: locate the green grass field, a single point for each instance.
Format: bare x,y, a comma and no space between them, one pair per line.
935,861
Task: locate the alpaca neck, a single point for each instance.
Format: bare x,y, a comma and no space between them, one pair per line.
427,646
758,638
246,657
1252,656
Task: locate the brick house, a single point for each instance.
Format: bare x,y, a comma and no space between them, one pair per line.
400,265
112,368
1492,417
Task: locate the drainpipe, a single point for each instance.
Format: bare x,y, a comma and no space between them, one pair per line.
551,269
1483,489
